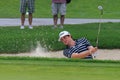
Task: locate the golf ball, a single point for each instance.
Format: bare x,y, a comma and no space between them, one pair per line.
27,13
100,7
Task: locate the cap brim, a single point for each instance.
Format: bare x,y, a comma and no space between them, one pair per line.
62,36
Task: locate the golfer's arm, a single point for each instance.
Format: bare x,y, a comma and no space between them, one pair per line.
81,55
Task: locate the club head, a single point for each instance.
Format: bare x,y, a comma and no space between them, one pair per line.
101,9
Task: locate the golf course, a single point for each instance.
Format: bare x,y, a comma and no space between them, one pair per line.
25,68
15,41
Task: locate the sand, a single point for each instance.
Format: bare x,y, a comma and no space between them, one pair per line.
101,54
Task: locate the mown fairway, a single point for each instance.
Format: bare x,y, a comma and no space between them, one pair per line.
57,69
76,9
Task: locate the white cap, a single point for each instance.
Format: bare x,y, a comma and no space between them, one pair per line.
62,34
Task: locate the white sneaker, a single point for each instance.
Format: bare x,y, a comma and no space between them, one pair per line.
54,27
22,27
30,27
61,27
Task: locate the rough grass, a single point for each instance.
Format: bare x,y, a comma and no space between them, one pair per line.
14,40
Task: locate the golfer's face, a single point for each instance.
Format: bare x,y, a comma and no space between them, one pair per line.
65,39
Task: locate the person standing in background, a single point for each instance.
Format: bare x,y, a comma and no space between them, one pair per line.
58,6
24,5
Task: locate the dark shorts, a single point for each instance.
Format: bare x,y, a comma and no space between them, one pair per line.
27,5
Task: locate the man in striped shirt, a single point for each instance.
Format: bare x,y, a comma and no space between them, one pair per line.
80,48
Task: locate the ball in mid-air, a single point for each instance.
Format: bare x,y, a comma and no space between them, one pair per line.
27,13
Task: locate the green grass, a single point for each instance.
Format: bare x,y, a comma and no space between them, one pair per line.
16,68
76,9
14,40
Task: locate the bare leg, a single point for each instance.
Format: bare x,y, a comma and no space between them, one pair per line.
55,19
30,20
22,20
62,21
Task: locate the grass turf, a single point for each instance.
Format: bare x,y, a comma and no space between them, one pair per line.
14,40
26,68
76,9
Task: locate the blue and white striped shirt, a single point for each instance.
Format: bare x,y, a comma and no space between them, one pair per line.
80,46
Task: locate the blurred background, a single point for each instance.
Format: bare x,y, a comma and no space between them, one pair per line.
76,9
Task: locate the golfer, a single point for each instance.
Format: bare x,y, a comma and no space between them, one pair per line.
80,48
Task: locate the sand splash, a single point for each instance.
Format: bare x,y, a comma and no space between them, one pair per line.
102,54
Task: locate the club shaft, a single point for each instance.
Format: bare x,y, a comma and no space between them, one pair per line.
99,28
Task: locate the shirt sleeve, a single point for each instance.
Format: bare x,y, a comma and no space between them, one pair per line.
81,45
67,53
85,41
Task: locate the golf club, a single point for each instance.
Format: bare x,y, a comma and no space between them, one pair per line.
99,28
